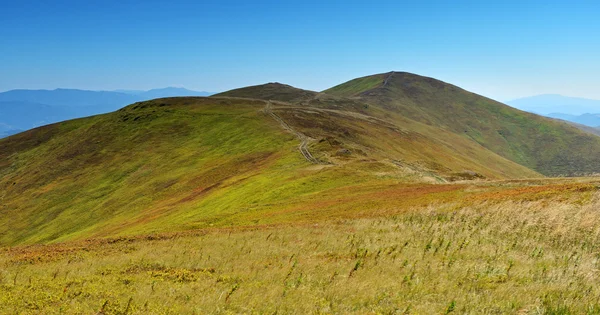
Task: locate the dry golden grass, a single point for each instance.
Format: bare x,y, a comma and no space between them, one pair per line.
537,256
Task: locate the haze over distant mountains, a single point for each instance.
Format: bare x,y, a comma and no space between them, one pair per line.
25,109
574,109
553,103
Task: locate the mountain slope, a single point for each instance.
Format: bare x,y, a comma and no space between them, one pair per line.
584,128
542,144
411,144
105,173
184,163
270,91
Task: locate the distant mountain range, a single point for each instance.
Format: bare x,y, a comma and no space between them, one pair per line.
553,103
578,110
591,120
25,109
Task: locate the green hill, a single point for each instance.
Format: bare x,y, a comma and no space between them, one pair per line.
186,163
268,154
545,145
270,91
105,174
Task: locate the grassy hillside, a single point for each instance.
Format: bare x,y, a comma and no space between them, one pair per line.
187,163
100,174
116,172
507,247
364,133
270,91
588,129
542,144
366,142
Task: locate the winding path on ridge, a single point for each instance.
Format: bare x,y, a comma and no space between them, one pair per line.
303,147
387,79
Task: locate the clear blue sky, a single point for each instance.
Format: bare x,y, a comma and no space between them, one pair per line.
503,49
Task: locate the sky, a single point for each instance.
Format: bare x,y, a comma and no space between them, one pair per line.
500,49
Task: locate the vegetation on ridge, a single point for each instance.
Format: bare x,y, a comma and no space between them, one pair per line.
188,163
270,91
547,146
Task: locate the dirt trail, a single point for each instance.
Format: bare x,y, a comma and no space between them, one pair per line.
388,79
356,115
303,147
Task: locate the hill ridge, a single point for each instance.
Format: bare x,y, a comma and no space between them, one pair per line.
233,159
510,132
222,161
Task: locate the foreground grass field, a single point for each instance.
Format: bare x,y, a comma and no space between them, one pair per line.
505,247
